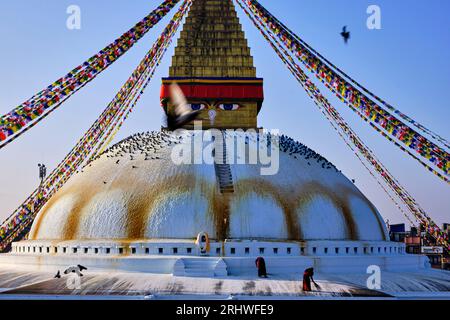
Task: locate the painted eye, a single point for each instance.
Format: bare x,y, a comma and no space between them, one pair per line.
229,106
196,106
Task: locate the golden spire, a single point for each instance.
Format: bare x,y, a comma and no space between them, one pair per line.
212,43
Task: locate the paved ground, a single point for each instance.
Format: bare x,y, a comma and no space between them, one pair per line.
94,284
15,283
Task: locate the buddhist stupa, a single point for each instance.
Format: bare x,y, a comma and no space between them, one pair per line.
148,196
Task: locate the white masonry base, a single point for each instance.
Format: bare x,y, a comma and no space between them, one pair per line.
230,257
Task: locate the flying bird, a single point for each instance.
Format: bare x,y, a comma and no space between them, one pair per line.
345,34
182,113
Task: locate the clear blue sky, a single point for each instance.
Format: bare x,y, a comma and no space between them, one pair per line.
407,63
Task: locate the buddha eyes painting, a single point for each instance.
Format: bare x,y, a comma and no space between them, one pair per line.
197,106
229,106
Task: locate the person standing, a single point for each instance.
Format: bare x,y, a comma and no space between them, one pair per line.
308,275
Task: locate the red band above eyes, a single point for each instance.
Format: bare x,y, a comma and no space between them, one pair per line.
218,91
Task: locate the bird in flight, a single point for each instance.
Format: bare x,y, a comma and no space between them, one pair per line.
81,267
345,34
182,113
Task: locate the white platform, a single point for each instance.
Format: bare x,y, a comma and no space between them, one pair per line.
181,257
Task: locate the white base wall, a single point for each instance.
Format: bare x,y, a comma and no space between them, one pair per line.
236,257
234,266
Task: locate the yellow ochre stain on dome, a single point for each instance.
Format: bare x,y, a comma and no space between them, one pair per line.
380,222
357,193
265,188
73,221
220,206
305,193
292,198
71,225
38,221
139,204
144,198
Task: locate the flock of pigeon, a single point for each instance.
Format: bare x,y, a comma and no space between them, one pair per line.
148,144
141,144
296,149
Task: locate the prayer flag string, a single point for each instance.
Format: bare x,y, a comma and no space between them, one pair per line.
28,114
410,141
333,115
18,224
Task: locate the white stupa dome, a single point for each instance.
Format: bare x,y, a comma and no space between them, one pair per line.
135,191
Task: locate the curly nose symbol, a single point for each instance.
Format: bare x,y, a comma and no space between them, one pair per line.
212,116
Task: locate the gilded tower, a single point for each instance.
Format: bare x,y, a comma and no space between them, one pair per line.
214,68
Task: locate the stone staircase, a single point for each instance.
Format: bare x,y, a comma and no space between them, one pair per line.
221,166
200,267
